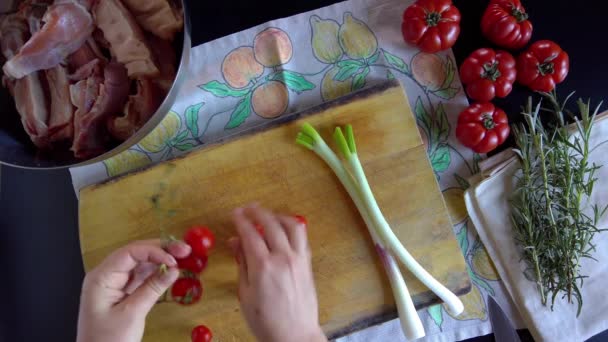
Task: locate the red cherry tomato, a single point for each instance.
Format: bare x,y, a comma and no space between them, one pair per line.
482,127
542,66
187,291
193,263
259,228
201,334
432,25
201,239
505,23
301,219
488,73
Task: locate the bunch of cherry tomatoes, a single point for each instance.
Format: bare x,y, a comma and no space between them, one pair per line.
434,25
188,289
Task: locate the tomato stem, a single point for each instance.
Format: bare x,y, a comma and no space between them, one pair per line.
433,18
546,68
490,71
488,122
519,14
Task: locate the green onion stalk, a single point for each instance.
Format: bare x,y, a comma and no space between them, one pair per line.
386,242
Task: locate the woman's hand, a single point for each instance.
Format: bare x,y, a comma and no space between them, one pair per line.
118,294
276,285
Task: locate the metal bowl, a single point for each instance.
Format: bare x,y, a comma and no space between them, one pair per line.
17,150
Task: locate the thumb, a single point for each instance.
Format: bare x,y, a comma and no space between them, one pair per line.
144,298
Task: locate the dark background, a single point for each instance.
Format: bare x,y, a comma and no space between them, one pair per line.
40,262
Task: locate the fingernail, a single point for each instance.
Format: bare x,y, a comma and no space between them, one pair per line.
171,261
238,211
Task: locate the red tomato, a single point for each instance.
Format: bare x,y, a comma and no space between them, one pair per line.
482,127
301,219
505,23
187,291
201,334
487,74
193,263
201,239
432,25
259,228
542,66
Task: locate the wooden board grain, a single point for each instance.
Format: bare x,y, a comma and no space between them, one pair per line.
204,186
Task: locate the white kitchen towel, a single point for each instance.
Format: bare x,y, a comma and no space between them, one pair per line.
488,206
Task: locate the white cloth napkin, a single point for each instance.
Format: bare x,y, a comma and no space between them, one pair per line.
488,206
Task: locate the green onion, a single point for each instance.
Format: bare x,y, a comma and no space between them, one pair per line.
384,238
410,322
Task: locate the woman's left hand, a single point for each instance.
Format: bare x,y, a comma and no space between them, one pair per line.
118,294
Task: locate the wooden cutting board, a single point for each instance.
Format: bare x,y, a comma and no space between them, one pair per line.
205,185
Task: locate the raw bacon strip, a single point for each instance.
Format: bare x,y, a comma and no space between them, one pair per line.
127,42
67,26
61,125
138,110
110,94
28,92
157,16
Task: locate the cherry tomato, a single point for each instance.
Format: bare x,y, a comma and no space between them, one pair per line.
488,73
482,127
201,334
432,25
259,228
542,66
187,291
301,219
201,239
193,263
505,23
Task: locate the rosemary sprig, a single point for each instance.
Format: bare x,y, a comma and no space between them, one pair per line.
548,202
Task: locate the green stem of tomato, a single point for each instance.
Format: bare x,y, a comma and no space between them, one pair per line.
519,15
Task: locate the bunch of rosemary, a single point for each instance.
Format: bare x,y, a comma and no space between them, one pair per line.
553,184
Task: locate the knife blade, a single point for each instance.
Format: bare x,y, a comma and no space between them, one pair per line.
503,329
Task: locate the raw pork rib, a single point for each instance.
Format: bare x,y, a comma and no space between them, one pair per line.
61,125
60,122
157,16
138,110
28,91
67,25
127,42
97,98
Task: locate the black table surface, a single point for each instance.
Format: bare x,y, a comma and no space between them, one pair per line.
40,262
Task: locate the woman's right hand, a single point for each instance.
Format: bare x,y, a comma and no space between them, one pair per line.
276,284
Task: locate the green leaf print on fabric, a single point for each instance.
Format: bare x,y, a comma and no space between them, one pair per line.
240,113
436,313
220,89
192,118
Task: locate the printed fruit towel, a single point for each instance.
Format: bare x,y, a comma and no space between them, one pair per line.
283,66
